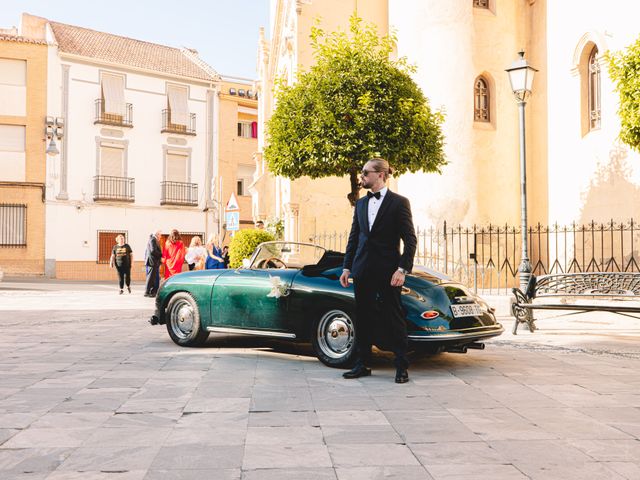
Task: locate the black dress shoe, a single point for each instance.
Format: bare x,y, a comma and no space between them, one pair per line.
402,376
357,372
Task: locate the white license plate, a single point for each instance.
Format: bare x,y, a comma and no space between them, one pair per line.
466,310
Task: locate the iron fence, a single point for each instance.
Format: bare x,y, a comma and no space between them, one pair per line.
124,119
170,125
178,193
486,258
120,189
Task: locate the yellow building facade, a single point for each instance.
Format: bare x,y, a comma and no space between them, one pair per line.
238,142
23,106
461,49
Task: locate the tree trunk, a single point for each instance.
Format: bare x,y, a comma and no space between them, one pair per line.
355,188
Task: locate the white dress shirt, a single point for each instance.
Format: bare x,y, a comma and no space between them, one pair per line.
374,206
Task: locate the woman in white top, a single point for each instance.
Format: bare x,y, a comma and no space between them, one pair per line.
196,254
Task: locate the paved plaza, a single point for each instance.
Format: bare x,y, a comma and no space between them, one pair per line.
89,390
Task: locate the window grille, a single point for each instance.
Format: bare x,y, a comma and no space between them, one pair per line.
481,110
13,225
106,242
594,90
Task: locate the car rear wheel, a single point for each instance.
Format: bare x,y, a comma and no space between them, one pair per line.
183,321
334,339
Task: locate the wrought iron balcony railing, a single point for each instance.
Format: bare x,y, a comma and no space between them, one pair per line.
169,125
121,189
179,193
104,118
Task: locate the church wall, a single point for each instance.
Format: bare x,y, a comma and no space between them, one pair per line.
591,176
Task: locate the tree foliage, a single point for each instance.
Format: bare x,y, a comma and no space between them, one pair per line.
624,69
353,104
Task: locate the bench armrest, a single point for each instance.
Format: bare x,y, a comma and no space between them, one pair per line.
521,298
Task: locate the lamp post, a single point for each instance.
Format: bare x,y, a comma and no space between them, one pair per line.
521,78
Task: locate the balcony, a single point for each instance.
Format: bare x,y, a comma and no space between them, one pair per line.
179,193
119,189
169,127
113,119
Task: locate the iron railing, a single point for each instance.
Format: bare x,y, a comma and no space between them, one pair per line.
120,120
120,189
13,225
169,127
179,193
486,258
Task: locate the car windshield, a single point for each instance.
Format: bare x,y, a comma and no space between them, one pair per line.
286,255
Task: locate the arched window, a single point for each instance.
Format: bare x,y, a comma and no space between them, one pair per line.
594,89
481,3
481,110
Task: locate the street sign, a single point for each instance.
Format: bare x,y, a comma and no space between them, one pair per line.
233,221
232,204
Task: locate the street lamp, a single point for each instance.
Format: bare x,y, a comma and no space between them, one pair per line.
54,129
521,78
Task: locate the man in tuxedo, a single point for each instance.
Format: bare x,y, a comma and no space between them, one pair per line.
380,220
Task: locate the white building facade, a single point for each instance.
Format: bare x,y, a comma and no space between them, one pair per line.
137,150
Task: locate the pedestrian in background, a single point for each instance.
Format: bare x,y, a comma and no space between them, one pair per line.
173,254
152,262
214,254
259,225
122,259
196,254
225,256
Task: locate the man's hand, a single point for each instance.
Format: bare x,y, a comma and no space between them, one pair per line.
397,280
344,278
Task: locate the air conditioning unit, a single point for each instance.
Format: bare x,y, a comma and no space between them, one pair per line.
232,91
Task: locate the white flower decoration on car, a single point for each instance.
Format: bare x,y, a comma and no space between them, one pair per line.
278,287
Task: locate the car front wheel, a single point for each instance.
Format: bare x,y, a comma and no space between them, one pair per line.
183,321
334,339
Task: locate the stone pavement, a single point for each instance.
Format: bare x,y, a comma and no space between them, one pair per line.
89,390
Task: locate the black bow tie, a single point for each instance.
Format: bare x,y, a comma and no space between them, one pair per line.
377,195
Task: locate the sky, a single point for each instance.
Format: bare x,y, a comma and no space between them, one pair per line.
224,32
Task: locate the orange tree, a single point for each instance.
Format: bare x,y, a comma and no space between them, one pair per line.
353,104
624,69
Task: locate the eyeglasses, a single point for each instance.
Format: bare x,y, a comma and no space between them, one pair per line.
367,172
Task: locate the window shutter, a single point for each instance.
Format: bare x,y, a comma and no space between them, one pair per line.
176,168
111,161
113,94
12,138
13,72
178,105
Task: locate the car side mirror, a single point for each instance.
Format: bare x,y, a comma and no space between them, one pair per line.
246,263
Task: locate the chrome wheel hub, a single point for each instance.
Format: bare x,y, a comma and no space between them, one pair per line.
182,319
336,334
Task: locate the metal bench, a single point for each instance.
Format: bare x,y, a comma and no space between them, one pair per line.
595,285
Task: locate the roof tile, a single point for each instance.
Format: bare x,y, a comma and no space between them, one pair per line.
128,51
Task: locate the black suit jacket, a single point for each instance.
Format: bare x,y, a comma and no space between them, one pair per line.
153,253
377,252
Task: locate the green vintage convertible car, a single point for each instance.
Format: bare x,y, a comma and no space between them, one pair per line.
290,290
